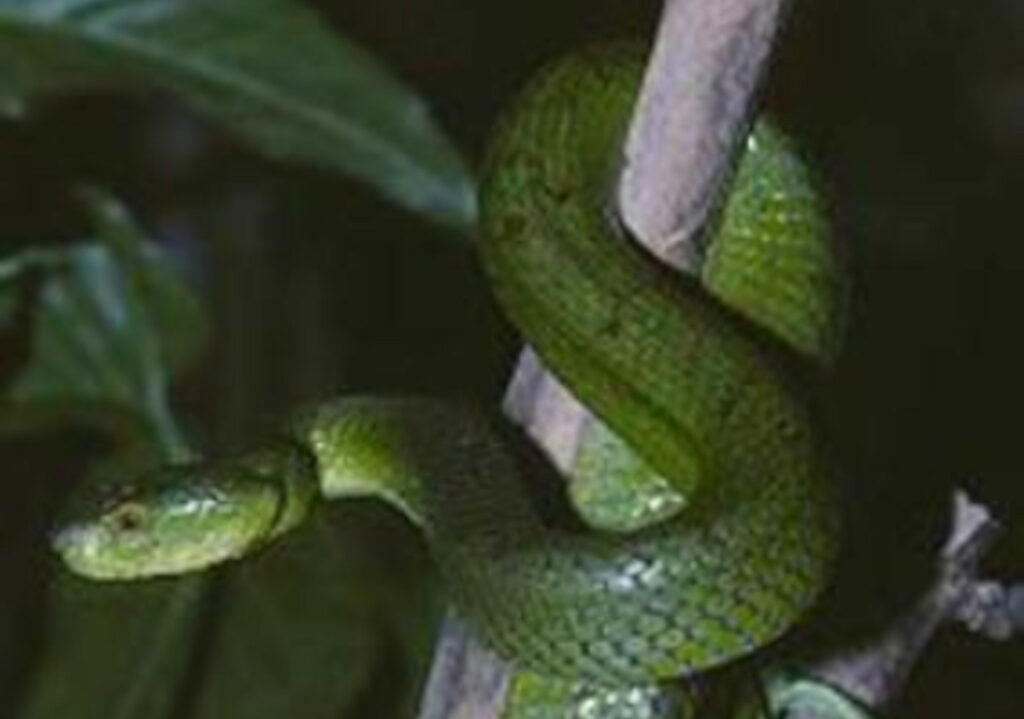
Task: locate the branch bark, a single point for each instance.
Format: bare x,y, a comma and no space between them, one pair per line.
875,672
697,96
695,103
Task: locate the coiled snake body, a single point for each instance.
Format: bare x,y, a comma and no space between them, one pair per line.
685,374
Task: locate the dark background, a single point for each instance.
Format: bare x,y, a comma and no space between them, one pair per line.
914,112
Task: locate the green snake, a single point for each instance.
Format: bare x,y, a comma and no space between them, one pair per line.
701,380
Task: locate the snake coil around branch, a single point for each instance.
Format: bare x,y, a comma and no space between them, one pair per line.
707,496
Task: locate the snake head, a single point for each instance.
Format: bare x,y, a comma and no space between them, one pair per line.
167,520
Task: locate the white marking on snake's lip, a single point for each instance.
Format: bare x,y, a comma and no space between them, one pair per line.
61,540
67,538
75,543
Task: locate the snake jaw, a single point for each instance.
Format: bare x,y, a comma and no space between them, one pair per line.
78,546
163,525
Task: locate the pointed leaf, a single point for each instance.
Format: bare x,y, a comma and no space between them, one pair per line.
268,70
111,320
298,637
114,650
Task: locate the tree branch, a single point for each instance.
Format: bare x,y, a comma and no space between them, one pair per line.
875,672
696,97
695,103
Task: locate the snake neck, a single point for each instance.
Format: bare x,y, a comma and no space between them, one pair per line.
431,460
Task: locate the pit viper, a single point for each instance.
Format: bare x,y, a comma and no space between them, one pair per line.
703,428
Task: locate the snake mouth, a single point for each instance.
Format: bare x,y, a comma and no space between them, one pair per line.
83,549
66,541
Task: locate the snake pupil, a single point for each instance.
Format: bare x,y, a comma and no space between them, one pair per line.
129,517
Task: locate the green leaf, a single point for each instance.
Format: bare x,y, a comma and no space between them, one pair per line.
114,650
112,321
172,307
268,70
304,630
298,635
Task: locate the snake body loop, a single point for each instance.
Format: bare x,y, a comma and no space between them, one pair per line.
690,375
687,381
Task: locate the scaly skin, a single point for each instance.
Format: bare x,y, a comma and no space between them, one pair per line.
688,376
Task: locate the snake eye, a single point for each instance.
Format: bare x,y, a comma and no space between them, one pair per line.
128,517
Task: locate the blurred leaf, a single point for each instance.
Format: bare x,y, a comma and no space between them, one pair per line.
108,321
301,630
114,650
180,326
301,626
111,321
411,599
299,635
268,70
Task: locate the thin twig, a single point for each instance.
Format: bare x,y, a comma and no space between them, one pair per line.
876,671
467,681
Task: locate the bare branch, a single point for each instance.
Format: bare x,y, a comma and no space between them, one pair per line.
876,672
548,412
696,97
695,102
467,681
